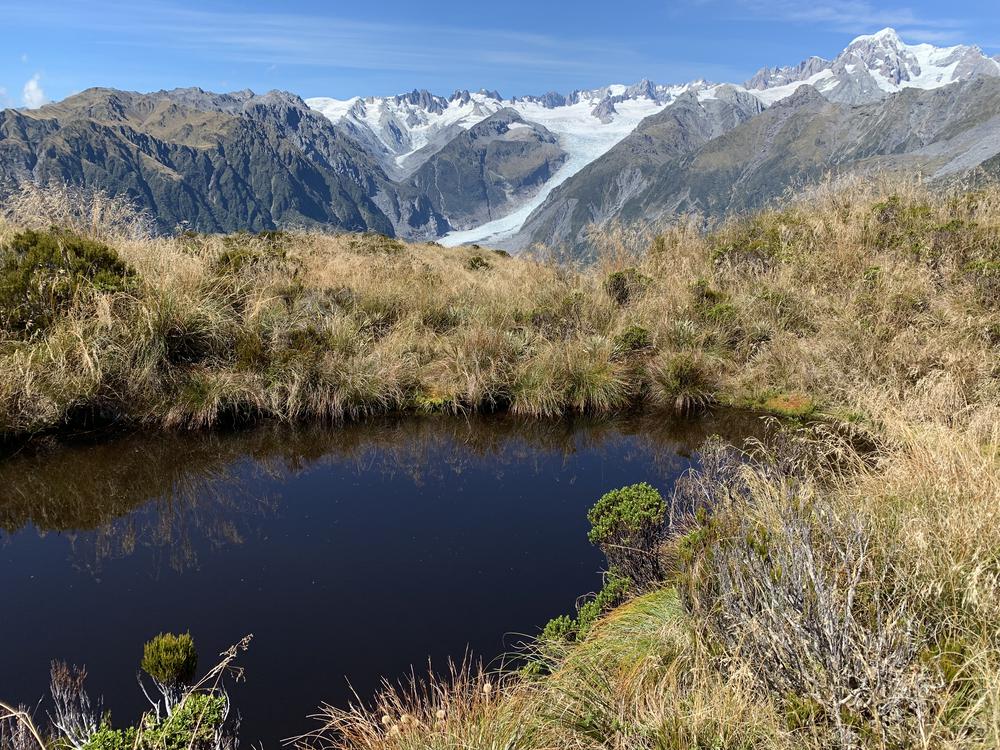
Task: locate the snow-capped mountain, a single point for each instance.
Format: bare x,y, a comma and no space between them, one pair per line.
513,172
403,132
874,66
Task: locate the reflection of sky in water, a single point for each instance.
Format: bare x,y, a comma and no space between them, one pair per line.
350,553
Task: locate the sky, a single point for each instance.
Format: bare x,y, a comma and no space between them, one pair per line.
50,49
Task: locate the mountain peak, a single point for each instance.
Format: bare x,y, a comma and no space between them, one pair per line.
888,35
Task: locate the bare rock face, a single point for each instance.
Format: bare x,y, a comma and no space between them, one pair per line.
481,174
213,162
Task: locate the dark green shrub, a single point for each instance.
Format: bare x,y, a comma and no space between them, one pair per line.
610,596
170,659
501,253
633,339
106,738
477,263
705,296
628,525
568,629
626,286
190,726
561,628
757,243
41,273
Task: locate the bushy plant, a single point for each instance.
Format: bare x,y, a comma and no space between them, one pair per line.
561,628
633,339
195,724
170,659
626,286
108,738
612,593
191,726
41,273
244,250
628,525
682,381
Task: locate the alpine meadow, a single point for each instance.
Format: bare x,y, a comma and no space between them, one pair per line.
649,417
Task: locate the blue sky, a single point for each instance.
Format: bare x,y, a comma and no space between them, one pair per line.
52,48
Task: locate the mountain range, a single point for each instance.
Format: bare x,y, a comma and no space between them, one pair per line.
513,173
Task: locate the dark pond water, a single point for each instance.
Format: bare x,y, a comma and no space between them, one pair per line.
350,554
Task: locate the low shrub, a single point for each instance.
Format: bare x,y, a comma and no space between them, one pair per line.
628,526
375,243
633,339
170,659
41,273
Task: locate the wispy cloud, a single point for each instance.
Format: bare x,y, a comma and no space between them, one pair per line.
285,38
4,99
857,17
32,95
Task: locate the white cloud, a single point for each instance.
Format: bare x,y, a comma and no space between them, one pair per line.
858,17
33,95
24,57
4,99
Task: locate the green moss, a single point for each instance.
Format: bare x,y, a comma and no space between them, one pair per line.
434,403
791,405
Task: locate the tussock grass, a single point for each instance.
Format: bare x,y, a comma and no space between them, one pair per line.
864,290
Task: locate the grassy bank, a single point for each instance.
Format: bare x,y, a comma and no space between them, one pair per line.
794,310
808,597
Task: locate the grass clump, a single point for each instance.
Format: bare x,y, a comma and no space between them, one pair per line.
626,285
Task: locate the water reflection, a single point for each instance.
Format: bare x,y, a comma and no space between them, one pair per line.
178,492
350,553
